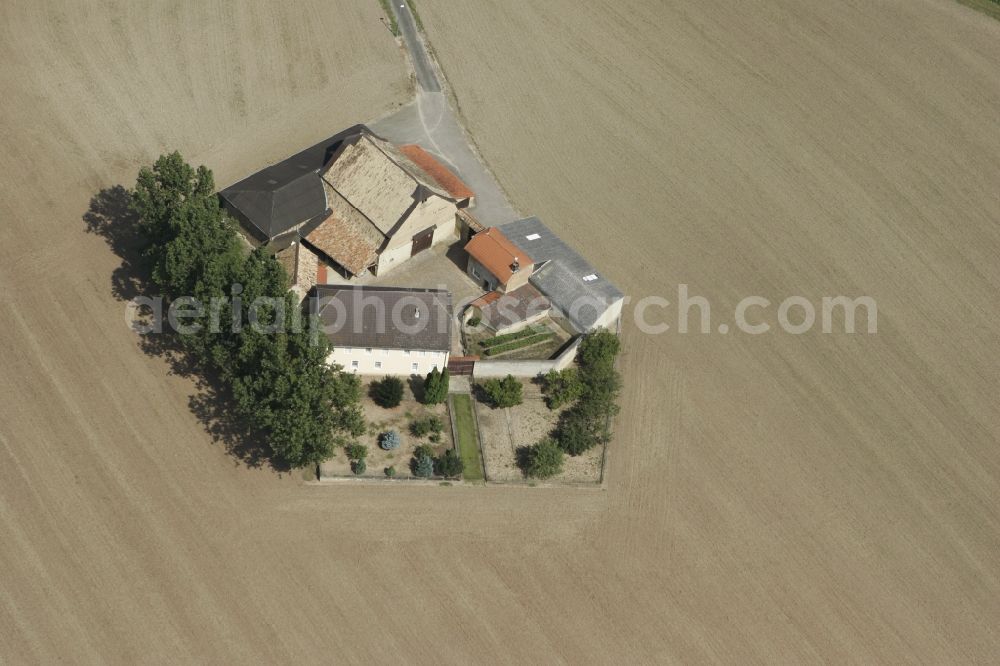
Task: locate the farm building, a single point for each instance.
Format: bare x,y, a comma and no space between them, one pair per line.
385,330
351,205
578,292
496,263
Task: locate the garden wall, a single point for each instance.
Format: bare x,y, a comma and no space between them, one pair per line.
486,368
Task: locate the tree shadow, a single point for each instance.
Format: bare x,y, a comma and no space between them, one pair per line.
417,387
110,216
522,458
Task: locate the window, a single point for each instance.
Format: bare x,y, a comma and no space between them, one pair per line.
406,352
533,236
423,353
385,352
368,351
354,365
414,367
378,364
475,273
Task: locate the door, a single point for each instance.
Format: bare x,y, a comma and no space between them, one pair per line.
422,241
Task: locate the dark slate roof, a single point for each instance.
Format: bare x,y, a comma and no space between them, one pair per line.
560,271
384,317
285,194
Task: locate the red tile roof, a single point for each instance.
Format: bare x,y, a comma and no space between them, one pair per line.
444,177
497,254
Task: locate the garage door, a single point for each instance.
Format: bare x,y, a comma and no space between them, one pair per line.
423,240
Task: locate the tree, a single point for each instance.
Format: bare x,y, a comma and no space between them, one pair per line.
450,465
504,392
281,384
388,392
599,348
562,387
390,471
390,440
578,433
359,466
544,460
429,424
425,467
436,387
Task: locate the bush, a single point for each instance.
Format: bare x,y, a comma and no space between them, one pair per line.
389,441
423,450
359,467
543,460
450,465
562,387
435,437
474,321
390,472
427,425
436,387
425,467
357,452
388,392
504,392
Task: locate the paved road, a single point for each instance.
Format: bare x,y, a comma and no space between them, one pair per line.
426,77
432,122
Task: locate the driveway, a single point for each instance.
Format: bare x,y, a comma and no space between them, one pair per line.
430,121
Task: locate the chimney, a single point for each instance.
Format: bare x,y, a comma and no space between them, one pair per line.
516,266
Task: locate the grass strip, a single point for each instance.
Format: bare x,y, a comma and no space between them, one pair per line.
988,7
393,26
465,427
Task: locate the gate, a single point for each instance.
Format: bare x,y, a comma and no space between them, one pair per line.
462,365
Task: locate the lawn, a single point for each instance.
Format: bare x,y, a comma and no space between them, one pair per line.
989,7
465,428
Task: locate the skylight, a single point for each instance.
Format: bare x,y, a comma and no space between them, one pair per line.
589,278
533,236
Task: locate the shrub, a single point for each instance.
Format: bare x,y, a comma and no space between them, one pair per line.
449,465
544,460
423,450
419,428
436,387
562,387
390,472
435,437
388,392
390,440
425,467
504,392
359,466
357,452
428,424
474,321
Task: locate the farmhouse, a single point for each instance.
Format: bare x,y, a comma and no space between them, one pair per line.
385,330
527,269
352,205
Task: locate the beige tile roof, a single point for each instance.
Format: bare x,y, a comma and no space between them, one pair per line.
378,180
347,236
